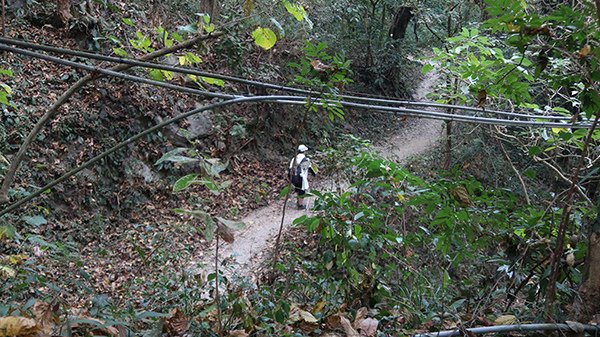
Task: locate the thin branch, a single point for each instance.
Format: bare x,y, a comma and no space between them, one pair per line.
517,173
563,177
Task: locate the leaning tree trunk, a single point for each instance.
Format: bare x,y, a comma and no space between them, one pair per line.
401,20
588,303
63,8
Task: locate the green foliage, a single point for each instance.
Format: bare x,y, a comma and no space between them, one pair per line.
210,167
389,220
145,44
473,62
298,12
329,80
5,91
264,37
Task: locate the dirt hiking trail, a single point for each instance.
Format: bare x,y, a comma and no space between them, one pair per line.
262,225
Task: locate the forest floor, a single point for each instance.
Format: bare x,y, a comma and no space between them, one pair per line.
416,137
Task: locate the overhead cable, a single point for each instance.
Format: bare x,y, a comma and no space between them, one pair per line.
299,99
195,72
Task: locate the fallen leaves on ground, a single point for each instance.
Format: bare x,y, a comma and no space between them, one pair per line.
17,326
506,320
178,323
238,333
302,318
46,316
368,327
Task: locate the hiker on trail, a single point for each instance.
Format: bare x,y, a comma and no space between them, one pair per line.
299,173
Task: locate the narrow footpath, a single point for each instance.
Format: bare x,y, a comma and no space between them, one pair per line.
262,226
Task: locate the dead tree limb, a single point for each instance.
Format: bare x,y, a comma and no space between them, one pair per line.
53,110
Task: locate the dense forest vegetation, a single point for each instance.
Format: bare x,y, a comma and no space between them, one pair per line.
135,136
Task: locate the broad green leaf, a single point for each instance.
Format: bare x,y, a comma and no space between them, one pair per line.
6,88
232,224
128,22
557,130
445,279
529,173
580,133
168,74
6,72
139,250
209,232
264,37
535,150
7,232
457,304
214,81
284,191
427,68
294,10
173,156
157,75
34,220
177,37
121,52
184,182
209,28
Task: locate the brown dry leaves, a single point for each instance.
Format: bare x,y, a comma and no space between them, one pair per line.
178,323
47,322
17,326
363,326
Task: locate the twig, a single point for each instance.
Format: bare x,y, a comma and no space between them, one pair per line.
523,283
563,177
517,173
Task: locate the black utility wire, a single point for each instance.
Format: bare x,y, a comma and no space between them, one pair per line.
401,111
195,72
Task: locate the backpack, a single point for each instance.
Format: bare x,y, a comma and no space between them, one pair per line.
294,174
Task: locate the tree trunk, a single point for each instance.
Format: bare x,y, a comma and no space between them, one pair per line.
64,9
208,7
401,20
588,303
